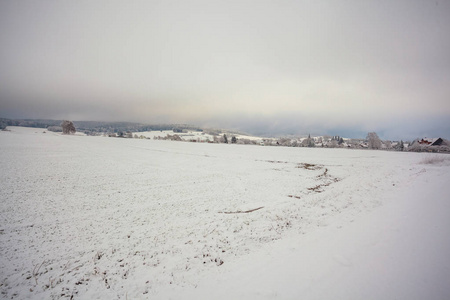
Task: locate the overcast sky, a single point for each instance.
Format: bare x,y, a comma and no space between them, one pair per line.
294,67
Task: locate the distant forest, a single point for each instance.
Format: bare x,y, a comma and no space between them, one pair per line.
93,127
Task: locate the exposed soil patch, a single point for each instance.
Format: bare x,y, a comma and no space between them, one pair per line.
240,211
324,174
309,166
318,188
277,161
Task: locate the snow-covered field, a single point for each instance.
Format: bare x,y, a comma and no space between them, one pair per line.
186,136
190,135
107,218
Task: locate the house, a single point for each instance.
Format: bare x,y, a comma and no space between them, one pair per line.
430,142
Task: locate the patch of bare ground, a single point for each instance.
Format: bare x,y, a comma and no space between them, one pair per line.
319,188
309,166
240,211
276,161
325,179
324,174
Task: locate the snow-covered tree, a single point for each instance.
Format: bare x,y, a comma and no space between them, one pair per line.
68,127
332,143
284,142
373,141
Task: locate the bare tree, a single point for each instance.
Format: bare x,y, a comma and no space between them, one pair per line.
68,127
373,141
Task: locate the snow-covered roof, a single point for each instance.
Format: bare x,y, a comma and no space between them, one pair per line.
428,141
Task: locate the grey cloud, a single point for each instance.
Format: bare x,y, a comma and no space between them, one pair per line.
348,65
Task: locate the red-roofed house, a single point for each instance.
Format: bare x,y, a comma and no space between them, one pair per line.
431,142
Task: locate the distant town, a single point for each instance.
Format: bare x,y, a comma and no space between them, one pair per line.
189,133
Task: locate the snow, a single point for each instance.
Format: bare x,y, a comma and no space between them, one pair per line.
399,251
184,135
108,218
192,135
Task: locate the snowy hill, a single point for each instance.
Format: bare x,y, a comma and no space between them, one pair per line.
104,218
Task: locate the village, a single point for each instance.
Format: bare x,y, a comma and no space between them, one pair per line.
372,141
195,134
